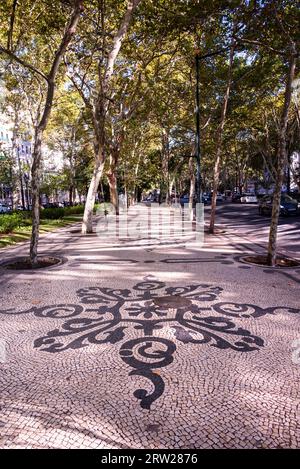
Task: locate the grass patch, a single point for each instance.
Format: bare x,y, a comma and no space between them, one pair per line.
23,233
16,227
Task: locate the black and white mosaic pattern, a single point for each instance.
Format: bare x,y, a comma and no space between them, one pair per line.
192,312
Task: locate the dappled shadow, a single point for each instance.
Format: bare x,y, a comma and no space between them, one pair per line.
104,316
114,311
196,371
52,419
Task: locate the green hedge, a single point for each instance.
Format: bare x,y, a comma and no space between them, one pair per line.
10,222
52,213
76,210
57,213
14,220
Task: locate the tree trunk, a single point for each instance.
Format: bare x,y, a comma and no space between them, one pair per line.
136,170
35,191
41,126
113,191
112,179
71,160
170,188
219,144
281,161
99,108
87,222
71,191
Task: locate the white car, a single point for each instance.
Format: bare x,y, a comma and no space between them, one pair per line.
249,199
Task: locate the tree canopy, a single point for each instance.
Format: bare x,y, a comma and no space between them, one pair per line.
124,108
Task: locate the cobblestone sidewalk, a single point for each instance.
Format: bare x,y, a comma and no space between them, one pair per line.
149,347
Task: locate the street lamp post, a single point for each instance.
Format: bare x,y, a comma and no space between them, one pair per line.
197,143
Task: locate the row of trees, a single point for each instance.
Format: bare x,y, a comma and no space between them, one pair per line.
118,78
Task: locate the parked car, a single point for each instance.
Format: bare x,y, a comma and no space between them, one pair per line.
248,198
21,208
236,198
228,194
206,198
4,209
184,199
296,196
288,206
52,205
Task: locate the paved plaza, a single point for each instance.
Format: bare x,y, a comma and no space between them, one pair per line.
149,346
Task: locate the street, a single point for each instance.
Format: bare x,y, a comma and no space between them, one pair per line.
244,221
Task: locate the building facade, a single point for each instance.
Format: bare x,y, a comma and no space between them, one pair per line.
15,164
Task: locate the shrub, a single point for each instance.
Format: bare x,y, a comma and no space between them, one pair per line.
8,223
52,213
25,216
56,213
76,210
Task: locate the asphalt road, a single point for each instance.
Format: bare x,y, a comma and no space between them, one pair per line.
245,221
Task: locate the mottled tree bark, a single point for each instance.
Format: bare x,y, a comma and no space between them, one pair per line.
72,171
71,195
281,161
87,222
41,126
35,194
170,187
113,191
99,111
112,179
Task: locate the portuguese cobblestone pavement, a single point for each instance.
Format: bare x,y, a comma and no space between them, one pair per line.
126,346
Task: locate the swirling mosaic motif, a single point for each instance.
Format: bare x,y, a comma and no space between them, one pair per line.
105,315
